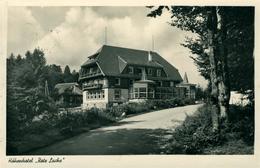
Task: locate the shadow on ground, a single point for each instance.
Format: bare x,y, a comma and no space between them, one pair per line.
110,142
124,123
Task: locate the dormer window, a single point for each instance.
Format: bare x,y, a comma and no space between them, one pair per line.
139,71
150,72
159,83
131,82
117,82
159,72
131,69
90,70
171,83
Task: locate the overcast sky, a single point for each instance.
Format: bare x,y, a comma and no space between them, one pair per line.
68,35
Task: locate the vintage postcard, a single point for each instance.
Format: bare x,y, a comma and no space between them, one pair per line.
129,84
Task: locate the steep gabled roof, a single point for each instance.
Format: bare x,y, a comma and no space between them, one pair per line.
112,60
185,81
68,88
92,58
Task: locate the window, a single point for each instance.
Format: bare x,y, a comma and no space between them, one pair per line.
136,93
91,95
159,72
102,94
98,94
171,84
150,72
131,94
150,93
117,82
131,69
142,92
165,93
160,84
131,82
186,92
139,71
117,94
90,70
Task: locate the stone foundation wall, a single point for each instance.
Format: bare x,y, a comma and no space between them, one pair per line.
107,100
97,103
89,105
111,95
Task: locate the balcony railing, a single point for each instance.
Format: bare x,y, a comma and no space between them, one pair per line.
88,75
91,86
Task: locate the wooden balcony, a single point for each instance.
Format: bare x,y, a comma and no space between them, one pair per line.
89,75
91,86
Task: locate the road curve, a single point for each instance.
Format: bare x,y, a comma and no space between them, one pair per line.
140,134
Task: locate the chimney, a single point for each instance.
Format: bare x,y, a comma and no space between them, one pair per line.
150,57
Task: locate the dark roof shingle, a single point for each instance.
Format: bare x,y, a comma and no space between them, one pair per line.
68,88
112,59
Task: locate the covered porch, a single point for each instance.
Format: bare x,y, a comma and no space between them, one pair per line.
142,90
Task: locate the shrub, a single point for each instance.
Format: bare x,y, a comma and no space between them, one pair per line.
135,108
85,118
38,127
161,103
117,111
195,134
105,117
158,104
188,101
151,104
242,122
168,103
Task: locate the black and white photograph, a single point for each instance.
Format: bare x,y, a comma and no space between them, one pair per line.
130,80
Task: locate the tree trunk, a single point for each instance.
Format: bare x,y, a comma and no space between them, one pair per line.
217,52
211,51
223,76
